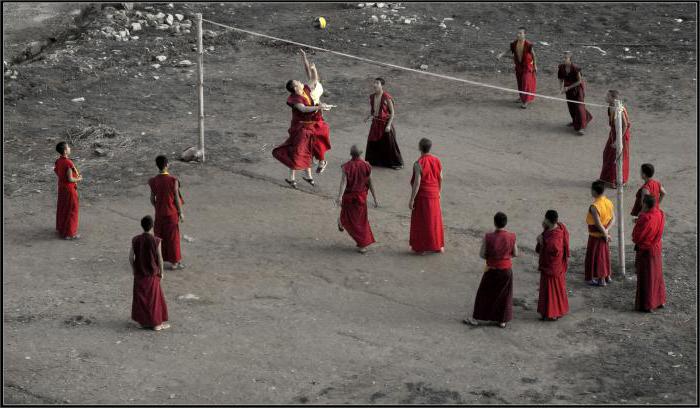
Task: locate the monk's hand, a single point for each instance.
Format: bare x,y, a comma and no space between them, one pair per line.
410,205
367,118
534,69
338,202
181,217
539,239
376,203
388,128
324,106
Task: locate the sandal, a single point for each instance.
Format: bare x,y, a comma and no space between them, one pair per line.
310,181
321,167
470,322
292,183
502,325
178,267
162,327
340,228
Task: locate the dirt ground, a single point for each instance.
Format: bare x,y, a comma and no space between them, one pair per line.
285,311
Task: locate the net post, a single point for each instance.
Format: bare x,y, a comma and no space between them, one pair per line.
619,183
200,82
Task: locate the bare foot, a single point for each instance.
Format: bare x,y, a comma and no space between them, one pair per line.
161,327
470,322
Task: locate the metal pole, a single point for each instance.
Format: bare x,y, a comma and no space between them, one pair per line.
619,181
200,83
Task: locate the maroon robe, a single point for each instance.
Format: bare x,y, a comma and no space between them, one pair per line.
353,213
647,233
609,171
427,232
494,298
553,263
580,116
654,189
148,307
67,203
382,149
525,71
309,135
167,222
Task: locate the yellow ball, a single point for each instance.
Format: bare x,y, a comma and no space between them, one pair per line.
320,22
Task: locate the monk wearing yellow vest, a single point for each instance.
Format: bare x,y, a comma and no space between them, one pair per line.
600,218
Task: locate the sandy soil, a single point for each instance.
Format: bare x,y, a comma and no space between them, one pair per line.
287,311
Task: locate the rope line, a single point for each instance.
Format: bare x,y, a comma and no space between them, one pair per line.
386,64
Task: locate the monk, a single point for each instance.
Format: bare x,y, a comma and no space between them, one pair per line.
427,233
67,204
322,140
494,298
382,149
165,197
647,233
525,62
553,248
297,151
608,174
600,218
651,187
354,183
148,307
571,82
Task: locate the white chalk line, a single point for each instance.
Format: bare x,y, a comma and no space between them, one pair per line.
386,64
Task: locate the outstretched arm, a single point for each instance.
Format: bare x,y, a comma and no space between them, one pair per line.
308,109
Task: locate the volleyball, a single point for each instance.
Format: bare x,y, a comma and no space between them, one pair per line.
320,23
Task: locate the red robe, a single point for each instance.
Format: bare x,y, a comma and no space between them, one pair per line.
148,307
382,149
494,298
553,263
609,170
67,204
580,116
426,218
647,233
654,189
166,225
309,135
353,213
525,71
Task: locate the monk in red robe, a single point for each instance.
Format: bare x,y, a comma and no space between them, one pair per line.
354,183
553,248
525,67
571,81
67,204
148,306
382,149
321,140
608,174
494,298
427,233
647,233
600,218
166,198
651,187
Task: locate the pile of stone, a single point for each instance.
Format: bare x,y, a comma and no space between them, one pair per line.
125,23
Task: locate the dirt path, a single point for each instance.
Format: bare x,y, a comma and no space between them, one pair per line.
287,311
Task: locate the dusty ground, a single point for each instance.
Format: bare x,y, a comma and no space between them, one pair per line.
287,312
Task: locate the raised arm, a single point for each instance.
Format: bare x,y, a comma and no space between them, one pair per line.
305,61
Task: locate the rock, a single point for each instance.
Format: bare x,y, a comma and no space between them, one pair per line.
361,5
374,19
136,27
184,63
160,17
383,17
442,25
171,5
34,47
160,58
156,66
108,29
679,20
424,67
191,154
81,99
546,44
185,31
169,19
156,77
134,38
175,29
162,27
188,297
467,23
124,34
209,34
100,152
179,17
188,238
626,50
381,5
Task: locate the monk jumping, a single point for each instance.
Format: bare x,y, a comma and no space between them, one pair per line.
67,204
553,248
494,298
148,307
647,233
354,183
322,140
427,233
600,218
571,82
382,149
525,62
297,151
608,174
166,198
651,187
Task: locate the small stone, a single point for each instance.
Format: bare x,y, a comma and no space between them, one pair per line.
108,29
172,396
161,58
171,5
424,67
100,153
188,238
442,25
81,99
186,31
156,77
383,17
156,66
361,5
136,37
179,17
209,34
374,19
381,5
169,19
184,63
162,27
407,21
136,27
679,20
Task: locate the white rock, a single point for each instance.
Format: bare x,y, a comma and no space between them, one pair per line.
374,19
679,20
81,99
424,67
467,23
160,16
188,297
188,238
156,77
156,66
184,63
135,26
108,29
171,5
626,49
381,5
442,25
447,19
361,5
179,17
135,37
383,16
546,44
169,19
161,58
162,27
407,21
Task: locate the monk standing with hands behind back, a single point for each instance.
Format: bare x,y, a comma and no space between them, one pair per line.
165,197
67,204
553,249
647,233
427,234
